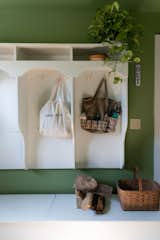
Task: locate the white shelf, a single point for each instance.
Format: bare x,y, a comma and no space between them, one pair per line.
62,207
49,52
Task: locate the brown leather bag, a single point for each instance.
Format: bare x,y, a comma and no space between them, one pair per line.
95,107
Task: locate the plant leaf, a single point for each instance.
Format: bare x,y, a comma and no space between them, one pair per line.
116,6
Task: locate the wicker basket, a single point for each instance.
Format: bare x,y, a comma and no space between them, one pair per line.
139,195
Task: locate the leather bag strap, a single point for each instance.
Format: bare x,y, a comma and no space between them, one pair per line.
99,87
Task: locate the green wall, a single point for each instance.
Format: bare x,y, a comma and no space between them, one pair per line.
67,21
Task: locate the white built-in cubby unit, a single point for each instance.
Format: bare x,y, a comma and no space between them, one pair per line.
28,72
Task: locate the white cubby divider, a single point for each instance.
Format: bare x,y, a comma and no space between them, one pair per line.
27,75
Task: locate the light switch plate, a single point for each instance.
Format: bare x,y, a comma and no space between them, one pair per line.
135,124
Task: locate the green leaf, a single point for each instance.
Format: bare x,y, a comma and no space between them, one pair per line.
117,80
137,59
107,59
124,59
129,54
115,5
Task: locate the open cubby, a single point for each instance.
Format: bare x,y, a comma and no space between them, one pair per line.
7,53
42,152
83,53
44,53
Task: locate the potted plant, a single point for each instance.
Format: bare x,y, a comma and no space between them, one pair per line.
117,29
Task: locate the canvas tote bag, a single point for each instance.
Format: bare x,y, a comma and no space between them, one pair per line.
100,114
55,116
96,106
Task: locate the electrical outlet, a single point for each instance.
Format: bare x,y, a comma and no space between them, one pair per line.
135,124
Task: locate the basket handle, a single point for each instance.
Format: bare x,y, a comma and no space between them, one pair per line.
135,172
135,176
140,184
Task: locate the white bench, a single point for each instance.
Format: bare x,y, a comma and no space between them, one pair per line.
49,216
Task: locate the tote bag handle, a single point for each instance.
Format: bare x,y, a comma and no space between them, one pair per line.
57,90
100,86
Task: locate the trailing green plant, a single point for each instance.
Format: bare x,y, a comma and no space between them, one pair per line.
118,29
